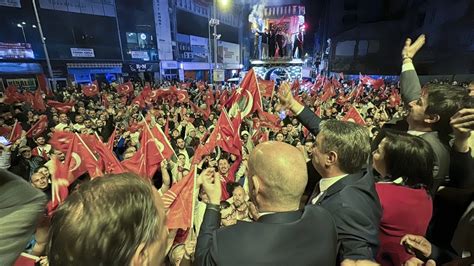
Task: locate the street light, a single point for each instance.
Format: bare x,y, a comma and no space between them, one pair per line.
22,30
48,62
34,26
23,23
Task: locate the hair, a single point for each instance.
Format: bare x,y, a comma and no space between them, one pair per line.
409,157
231,186
224,205
445,100
350,141
103,222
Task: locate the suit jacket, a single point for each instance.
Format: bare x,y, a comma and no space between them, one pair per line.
354,205
20,207
289,238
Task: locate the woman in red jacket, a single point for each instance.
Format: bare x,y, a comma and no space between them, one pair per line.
406,164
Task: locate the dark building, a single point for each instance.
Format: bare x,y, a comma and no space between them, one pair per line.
367,36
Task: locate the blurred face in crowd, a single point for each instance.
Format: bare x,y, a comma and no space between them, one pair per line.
175,133
294,122
100,123
228,216
40,141
239,196
63,118
223,166
26,154
192,133
79,119
284,131
30,115
44,171
369,121
181,160
202,128
379,159
39,181
59,154
103,117
280,137
81,110
88,123
308,145
92,114
56,118
180,143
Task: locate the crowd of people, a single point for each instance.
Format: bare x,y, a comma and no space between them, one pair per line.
335,172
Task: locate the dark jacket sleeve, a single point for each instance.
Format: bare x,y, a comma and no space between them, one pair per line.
410,86
20,207
206,248
309,120
461,169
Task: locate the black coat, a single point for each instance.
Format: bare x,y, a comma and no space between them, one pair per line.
287,238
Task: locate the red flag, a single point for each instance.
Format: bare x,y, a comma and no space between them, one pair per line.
223,134
166,150
110,142
125,88
269,120
296,86
5,131
139,100
183,96
209,98
16,132
108,160
328,91
147,159
91,90
376,83
266,87
318,111
43,84
167,129
354,116
22,260
179,200
38,128
12,95
223,98
38,102
61,107
395,99
247,98
28,98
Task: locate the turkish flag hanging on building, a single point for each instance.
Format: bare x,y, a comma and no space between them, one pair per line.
38,128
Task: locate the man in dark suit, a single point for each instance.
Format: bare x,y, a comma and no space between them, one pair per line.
283,234
339,154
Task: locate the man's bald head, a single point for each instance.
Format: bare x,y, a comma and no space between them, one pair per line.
278,176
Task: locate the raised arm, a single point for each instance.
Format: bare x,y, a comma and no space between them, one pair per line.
409,82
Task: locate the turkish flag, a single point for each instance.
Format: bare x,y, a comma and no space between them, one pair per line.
266,87
223,98
139,100
16,132
354,116
296,86
5,131
329,91
376,83
318,111
26,260
61,107
125,88
223,134
269,120
110,142
247,98
209,98
38,128
28,98
12,95
43,84
38,102
166,150
183,96
179,202
108,160
91,90
147,159
83,158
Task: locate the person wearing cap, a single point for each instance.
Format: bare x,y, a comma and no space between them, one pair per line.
24,163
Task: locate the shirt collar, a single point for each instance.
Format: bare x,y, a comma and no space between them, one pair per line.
325,183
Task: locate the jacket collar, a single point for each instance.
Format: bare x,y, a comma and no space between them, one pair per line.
281,217
339,185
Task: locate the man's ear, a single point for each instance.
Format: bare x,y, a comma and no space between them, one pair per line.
140,257
331,158
256,184
431,119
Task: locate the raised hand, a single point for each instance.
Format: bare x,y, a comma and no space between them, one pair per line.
410,49
462,123
211,185
417,243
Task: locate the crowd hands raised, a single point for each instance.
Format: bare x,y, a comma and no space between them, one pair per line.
395,188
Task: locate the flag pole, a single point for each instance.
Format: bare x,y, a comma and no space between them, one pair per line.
153,137
87,147
13,129
194,199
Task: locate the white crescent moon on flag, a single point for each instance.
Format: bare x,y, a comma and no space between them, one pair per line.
181,97
77,162
249,106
